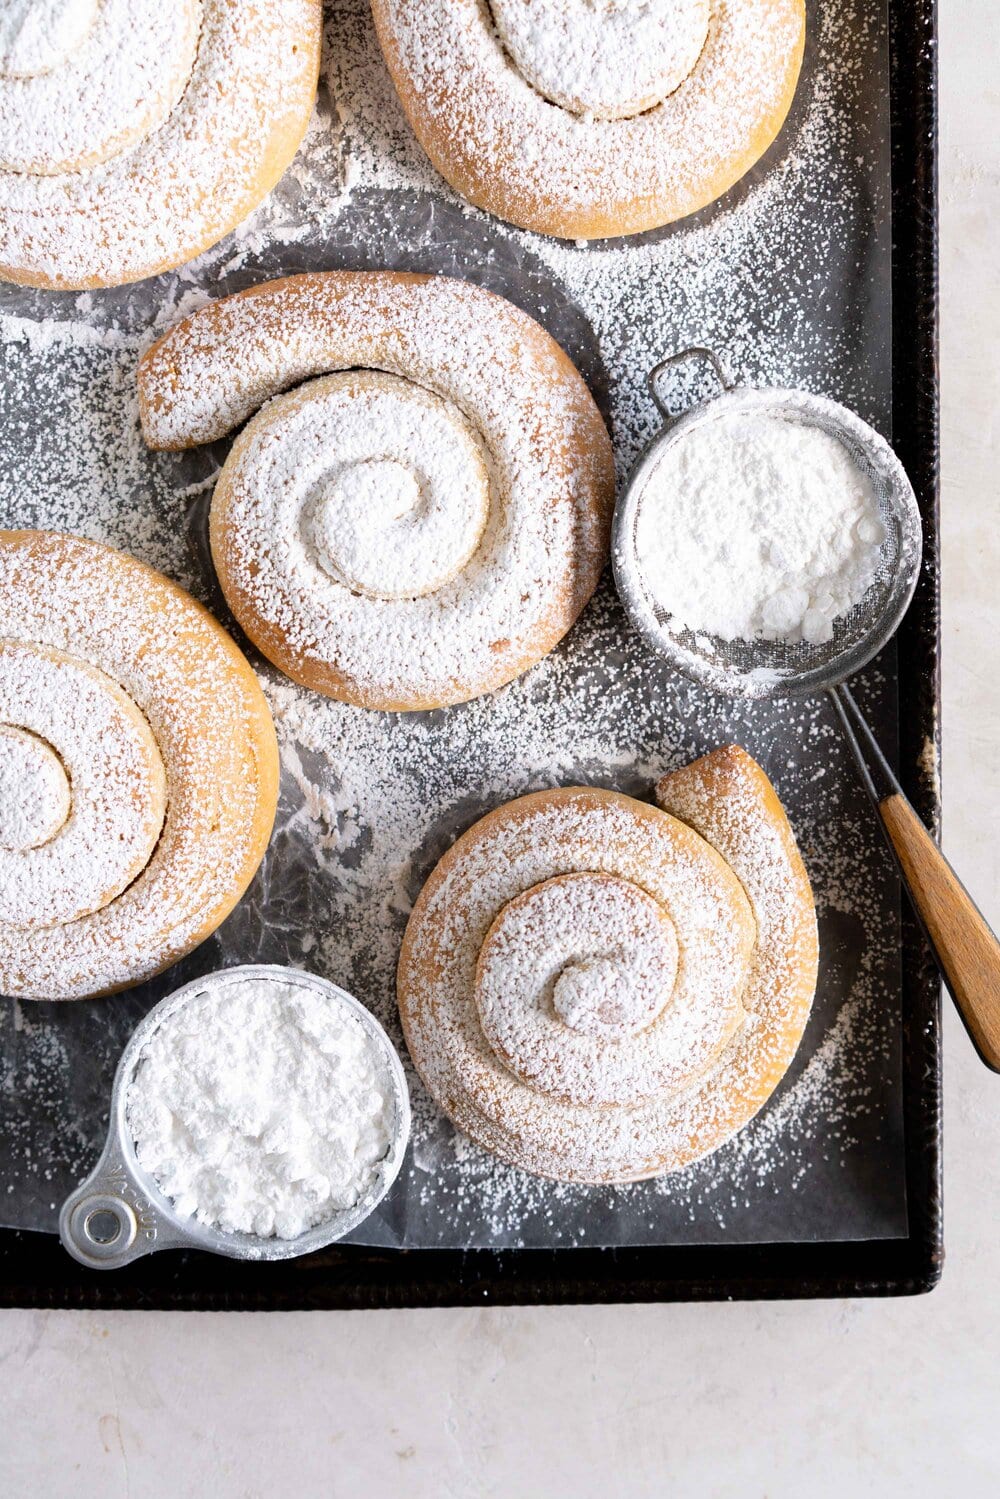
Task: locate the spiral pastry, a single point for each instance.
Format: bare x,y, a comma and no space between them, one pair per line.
424,521
134,134
598,990
138,769
591,118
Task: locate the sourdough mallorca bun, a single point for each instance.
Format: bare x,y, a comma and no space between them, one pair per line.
134,134
138,769
598,990
593,118
416,530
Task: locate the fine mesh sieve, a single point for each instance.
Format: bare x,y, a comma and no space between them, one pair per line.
119,1213
764,668
965,949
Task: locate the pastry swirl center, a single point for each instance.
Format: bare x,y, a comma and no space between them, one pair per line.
621,964
573,980
608,996
80,82
380,488
34,790
88,788
366,531
609,59
37,35
396,487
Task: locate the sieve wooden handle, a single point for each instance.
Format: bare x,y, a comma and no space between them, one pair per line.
966,950
964,947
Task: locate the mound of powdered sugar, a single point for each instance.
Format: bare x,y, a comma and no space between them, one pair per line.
261,1107
757,527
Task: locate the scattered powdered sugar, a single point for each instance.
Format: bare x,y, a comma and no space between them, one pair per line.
789,277
757,526
261,1107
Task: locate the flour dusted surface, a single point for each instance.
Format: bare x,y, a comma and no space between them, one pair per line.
261,1107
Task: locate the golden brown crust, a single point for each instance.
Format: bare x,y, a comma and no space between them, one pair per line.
215,336
214,732
512,153
475,350
721,795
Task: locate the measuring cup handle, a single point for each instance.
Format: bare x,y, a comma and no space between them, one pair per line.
109,1221
966,950
682,356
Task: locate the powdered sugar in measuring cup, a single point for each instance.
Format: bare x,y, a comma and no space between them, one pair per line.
260,1113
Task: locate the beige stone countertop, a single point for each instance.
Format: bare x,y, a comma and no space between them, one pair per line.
820,1399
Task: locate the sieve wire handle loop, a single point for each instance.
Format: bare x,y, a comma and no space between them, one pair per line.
682,356
964,947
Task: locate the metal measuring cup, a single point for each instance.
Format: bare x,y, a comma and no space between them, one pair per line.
966,950
119,1213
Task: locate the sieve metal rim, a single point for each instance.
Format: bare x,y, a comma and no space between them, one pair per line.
815,410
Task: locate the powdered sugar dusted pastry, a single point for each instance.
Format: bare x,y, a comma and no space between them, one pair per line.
599,990
589,118
138,769
422,523
134,134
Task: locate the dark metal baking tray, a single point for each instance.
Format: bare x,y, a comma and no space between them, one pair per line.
35,1271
